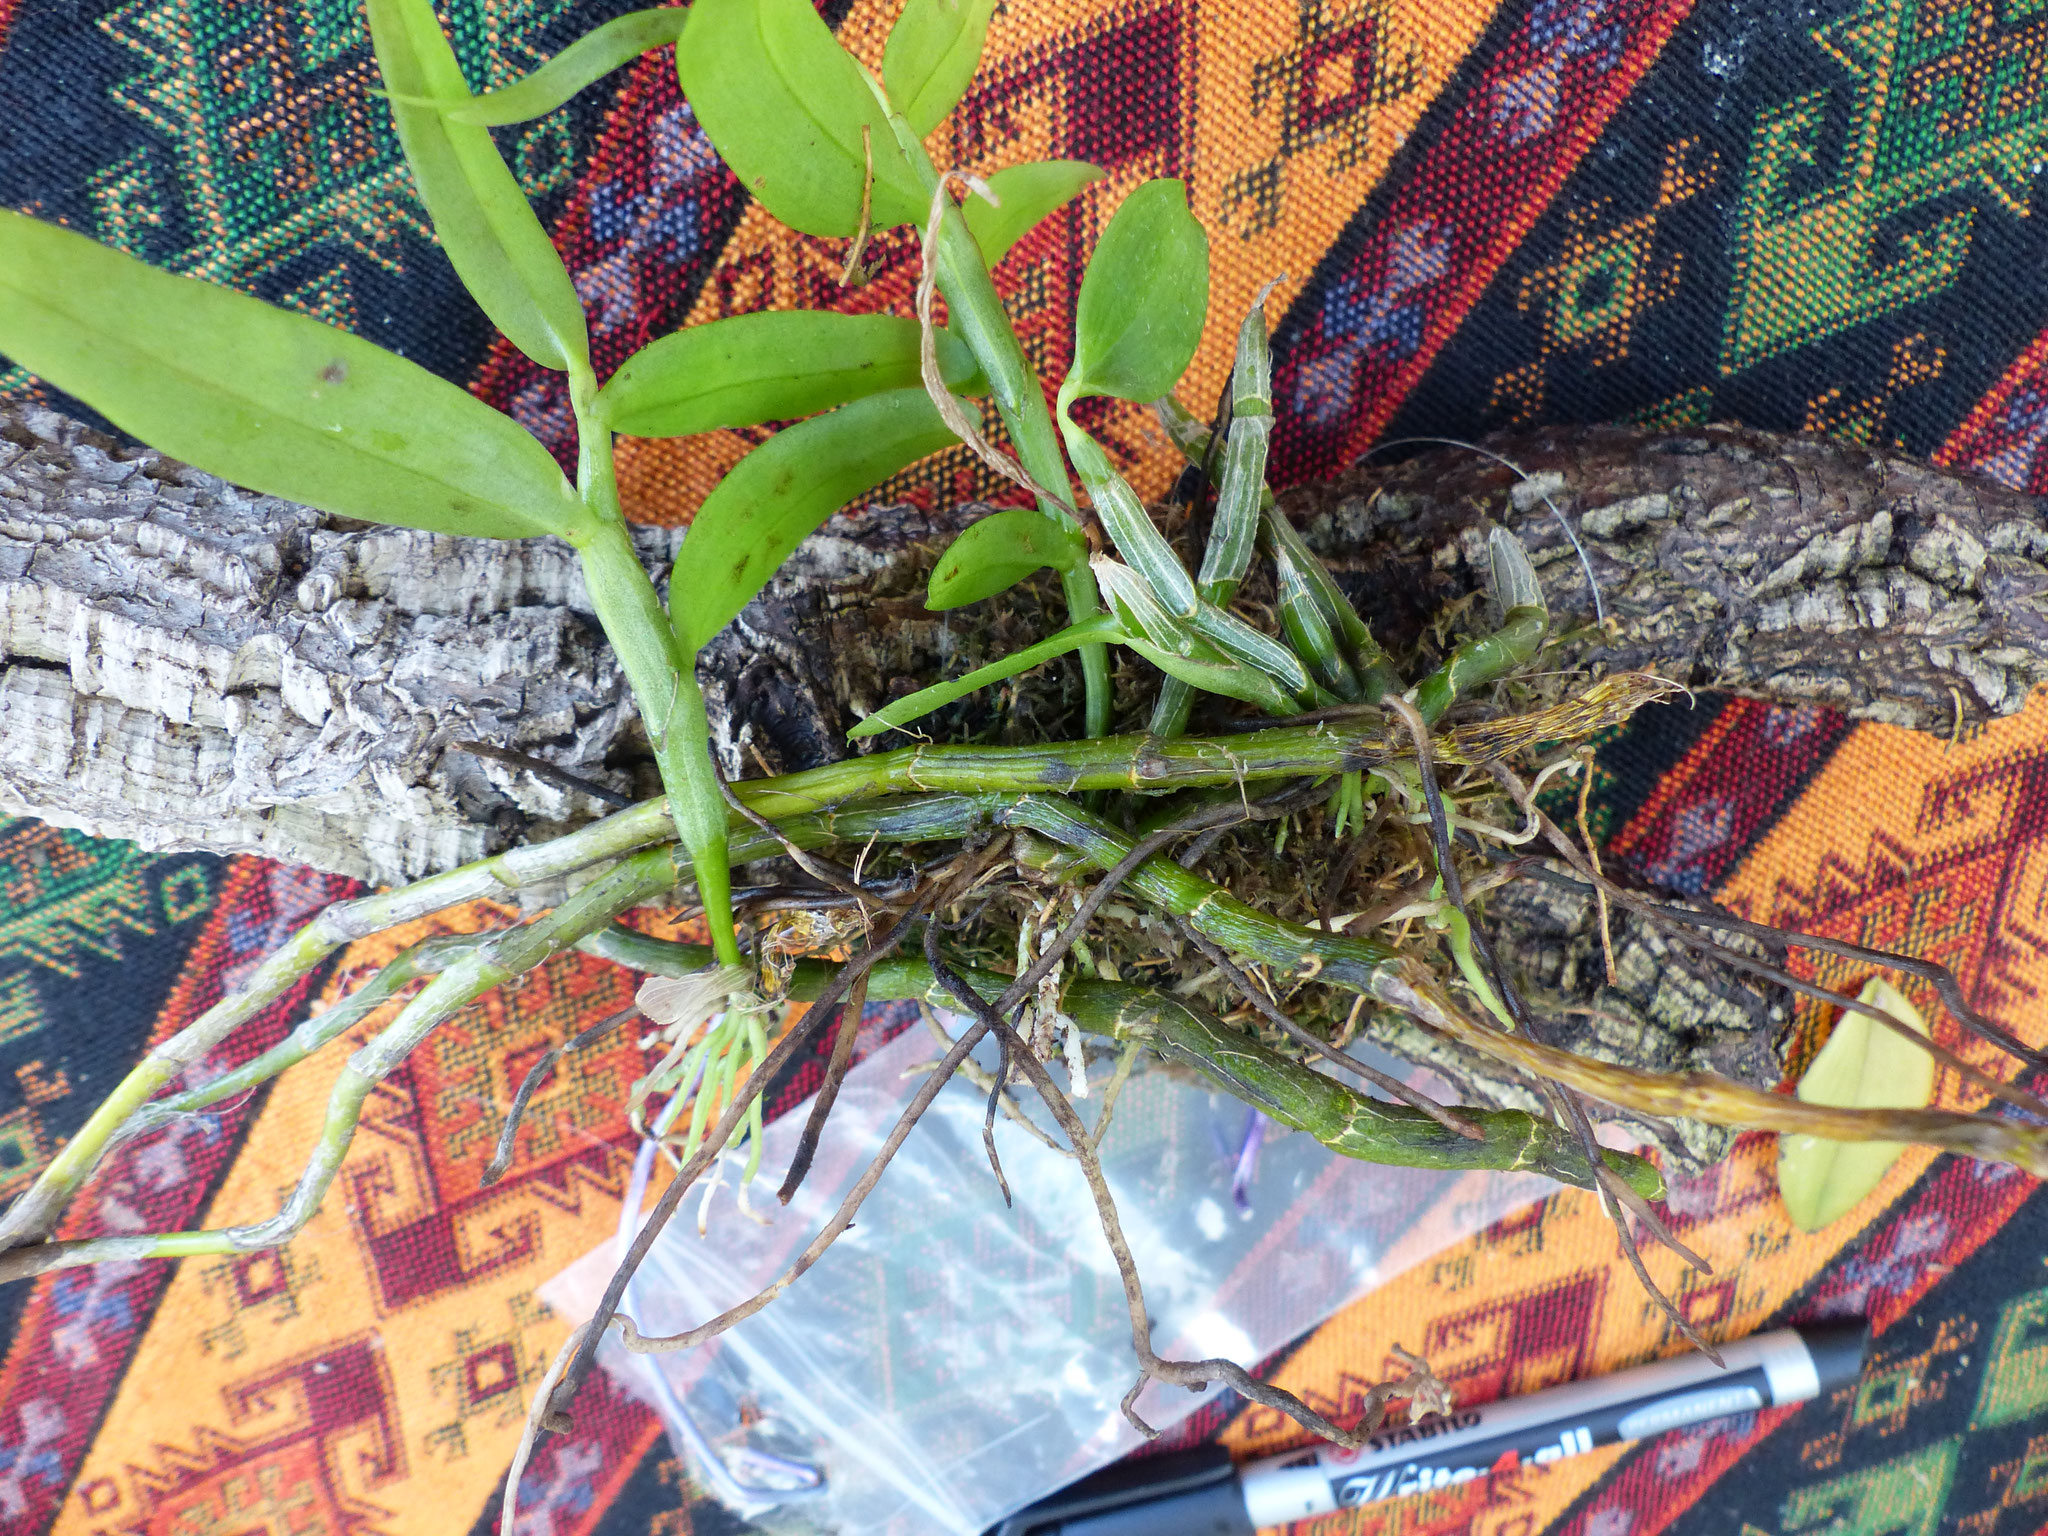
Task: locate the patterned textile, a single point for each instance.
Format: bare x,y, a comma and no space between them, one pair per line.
1815,216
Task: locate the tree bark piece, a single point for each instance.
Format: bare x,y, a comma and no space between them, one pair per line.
1669,1010
1790,568
193,666
190,665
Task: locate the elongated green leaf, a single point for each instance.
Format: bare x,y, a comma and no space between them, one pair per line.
267,398
785,104
932,54
499,250
1028,193
1096,631
776,496
1137,606
1142,301
1129,525
1863,1066
1208,673
998,552
774,366
583,63
1240,642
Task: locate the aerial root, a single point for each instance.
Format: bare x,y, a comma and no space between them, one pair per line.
1420,1385
1565,1104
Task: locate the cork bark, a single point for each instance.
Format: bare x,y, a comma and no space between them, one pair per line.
189,665
1788,568
194,666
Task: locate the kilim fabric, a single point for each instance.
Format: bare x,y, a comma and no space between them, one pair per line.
1816,217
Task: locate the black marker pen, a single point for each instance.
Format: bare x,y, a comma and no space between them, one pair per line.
1199,1493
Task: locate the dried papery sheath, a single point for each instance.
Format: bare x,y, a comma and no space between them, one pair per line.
681,1004
958,419
1077,1058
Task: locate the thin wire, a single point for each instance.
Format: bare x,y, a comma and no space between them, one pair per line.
1585,560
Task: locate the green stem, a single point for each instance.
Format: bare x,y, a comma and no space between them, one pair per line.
975,313
1171,709
35,1213
660,671
1342,1119
1134,762
1074,637
467,977
1481,660
1140,762
1292,952
428,958
1144,763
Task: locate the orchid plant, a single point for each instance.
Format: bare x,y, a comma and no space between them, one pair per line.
292,407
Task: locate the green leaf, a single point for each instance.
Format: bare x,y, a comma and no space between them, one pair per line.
1240,642
1028,194
785,104
1130,526
774,498
1137,607
773,366
933,51
1210,674
1142,300
1096,631
998,552
584,62
267,398
1863,1066
499,250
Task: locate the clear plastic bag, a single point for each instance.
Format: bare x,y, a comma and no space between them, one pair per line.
949,1360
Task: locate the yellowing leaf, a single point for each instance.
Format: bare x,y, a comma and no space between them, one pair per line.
1863,1066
